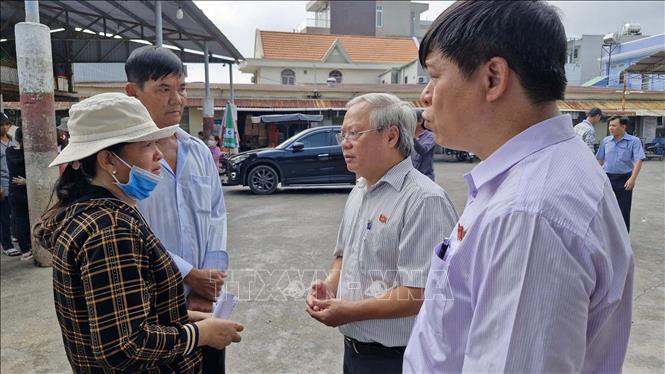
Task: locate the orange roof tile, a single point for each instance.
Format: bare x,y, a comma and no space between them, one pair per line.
312,47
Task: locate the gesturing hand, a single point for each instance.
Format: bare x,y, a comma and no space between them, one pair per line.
331,312
218,333
198,303
207,282
318,290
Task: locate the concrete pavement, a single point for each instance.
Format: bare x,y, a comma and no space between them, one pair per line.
276,244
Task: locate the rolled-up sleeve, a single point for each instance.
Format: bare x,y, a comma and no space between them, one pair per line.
123,335
427,223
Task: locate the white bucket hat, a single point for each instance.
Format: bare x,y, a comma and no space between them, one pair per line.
104,120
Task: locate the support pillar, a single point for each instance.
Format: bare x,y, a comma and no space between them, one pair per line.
208,101
158,23
232,93
35,73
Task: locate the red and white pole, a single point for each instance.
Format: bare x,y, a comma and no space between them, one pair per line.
35,74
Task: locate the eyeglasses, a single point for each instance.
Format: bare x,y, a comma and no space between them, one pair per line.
351,135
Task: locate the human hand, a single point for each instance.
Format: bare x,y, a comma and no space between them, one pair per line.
195,316
630,184
2,194
198,303
318,290
218,333
331,312
207,282
19,181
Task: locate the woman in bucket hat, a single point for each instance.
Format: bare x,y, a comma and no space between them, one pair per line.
118,295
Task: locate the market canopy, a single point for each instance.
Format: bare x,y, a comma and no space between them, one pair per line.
109,30
294,117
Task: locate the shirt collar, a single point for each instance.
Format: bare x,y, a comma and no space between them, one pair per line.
622,138
394,177
539,136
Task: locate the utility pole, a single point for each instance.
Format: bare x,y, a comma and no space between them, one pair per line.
35,74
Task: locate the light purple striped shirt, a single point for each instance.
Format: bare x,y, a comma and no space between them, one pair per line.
542,278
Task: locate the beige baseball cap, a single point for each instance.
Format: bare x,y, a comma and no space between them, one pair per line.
104,120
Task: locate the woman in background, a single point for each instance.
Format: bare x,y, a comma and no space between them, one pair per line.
18,195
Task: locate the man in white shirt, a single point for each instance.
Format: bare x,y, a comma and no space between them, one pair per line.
186,210
537,275
585,130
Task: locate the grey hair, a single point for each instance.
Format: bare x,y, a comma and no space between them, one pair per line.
389,110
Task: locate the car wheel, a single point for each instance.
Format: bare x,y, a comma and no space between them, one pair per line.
263,180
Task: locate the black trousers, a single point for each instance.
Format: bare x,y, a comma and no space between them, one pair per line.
213,360
371,358
18,199
624,198
5,222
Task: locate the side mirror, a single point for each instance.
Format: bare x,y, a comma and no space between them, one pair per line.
297,146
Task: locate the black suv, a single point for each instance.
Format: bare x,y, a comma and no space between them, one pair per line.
312,156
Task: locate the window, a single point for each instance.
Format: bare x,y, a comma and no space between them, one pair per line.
320,139
379,16
337,75
406,80
288,77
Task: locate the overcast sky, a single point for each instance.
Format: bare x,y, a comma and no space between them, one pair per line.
238,20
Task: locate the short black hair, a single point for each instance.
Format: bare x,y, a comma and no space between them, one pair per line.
419,115
594,112
622,120
529,35
152,63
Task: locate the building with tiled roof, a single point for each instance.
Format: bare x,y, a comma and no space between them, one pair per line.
292,58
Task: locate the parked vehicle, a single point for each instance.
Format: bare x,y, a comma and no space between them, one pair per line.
460,156
311,157
655,149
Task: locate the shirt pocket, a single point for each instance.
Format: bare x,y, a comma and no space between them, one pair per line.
199,192
622,150
438,294
380,248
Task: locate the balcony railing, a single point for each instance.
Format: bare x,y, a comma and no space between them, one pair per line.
311,22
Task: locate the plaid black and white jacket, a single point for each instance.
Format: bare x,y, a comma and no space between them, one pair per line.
118,295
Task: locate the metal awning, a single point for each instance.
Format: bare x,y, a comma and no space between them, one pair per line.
107,30
293,117
630,107
652,64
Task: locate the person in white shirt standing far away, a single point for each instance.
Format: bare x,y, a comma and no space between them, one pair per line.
537,274
586,131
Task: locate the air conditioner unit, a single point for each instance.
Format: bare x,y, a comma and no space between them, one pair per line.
421,79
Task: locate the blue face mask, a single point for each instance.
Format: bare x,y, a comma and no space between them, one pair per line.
141,182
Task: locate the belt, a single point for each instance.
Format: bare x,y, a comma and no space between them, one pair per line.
371,348
618,176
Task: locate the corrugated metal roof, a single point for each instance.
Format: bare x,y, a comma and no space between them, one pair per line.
631,107
127,19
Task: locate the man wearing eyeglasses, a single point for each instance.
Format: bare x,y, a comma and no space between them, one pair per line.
392,220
